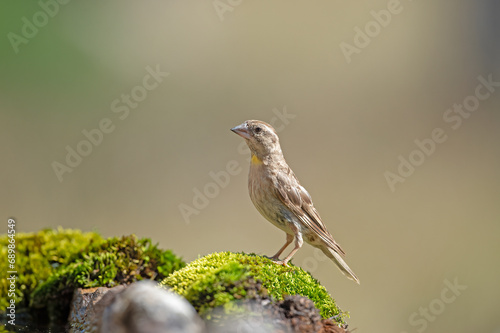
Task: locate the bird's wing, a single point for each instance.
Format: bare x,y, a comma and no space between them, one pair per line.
298,201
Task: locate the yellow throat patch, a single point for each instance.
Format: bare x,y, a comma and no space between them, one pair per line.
256,160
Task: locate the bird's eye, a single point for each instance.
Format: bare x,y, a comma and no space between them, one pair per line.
258,129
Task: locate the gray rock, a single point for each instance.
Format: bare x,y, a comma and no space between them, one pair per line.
141,307
294,314
145,308
87,307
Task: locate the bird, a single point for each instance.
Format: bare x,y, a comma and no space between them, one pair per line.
278,196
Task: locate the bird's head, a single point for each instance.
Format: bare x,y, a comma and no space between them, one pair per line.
260,137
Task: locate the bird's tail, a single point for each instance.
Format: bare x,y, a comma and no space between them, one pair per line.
341,264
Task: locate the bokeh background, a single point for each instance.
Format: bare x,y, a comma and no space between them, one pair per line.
254,60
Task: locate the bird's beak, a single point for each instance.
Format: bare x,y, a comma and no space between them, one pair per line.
242,130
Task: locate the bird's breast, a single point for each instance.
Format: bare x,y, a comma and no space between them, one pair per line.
262,193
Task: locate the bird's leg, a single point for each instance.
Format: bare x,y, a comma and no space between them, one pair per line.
298,244
289,239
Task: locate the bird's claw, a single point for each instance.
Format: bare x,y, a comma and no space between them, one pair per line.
277,260
280,262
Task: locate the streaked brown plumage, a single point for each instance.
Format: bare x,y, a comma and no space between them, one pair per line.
279,197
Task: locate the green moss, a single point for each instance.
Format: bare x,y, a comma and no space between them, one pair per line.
219,278
115,261
207,292
38,255
50,264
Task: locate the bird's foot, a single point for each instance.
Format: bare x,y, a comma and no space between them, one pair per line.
281,262
277,260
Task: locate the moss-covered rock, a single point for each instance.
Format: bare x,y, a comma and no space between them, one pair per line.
51,264
113,262
38,255
219,279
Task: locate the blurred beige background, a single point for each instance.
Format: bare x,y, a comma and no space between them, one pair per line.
229,61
